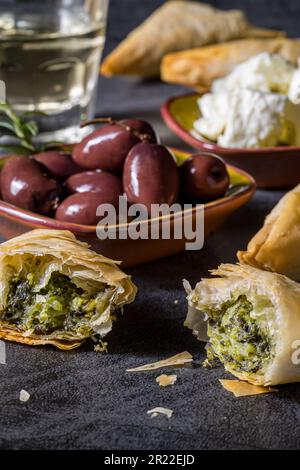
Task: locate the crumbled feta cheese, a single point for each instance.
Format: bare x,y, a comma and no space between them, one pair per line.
263,72
254,119
255,106
213,108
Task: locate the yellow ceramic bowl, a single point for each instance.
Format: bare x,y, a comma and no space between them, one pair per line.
14,221
271,167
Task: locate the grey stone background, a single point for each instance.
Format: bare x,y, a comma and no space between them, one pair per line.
84,400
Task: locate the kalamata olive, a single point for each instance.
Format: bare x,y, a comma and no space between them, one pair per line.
150,175
95,181
105,148
80,208
59,164
142,127
26,184
205,177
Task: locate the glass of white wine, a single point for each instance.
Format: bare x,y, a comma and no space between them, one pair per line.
49,58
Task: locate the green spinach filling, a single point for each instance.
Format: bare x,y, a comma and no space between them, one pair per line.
236,338
59,306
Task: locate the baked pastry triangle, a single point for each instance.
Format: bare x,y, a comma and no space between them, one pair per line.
198,68
175,26
276,247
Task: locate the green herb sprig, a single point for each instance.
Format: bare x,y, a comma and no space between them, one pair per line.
22,130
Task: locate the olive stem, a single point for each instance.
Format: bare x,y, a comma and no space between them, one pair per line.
109,120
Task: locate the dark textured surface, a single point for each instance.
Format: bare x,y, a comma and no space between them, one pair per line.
86,400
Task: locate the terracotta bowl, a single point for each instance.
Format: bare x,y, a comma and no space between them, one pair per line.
14,221
272,167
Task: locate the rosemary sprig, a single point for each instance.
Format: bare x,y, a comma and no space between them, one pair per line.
20,128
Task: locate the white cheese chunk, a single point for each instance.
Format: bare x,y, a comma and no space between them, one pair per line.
254,119
263,72
294,89
213,108
256,105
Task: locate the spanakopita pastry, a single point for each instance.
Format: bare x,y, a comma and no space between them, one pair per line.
253,322
276,247
55,290
198,68
175,26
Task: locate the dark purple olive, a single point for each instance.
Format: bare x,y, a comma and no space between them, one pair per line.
95,181
26,184
142,127
105,148
59,164
81,208
205,177
150,175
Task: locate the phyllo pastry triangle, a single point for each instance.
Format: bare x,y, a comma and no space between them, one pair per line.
198,68
175,26
276,247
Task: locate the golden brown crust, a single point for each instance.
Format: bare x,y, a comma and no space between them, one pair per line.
276,246
198,68
282,319
244,389
176,26
60,251
33,340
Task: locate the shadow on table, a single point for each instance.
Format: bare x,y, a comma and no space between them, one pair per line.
142,336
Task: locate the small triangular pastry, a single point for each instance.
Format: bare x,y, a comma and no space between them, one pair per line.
276,247
198,68
175,26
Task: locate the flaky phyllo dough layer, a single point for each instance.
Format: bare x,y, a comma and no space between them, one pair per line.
252,318
276,247
55,290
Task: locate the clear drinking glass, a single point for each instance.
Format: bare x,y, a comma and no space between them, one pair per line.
49,57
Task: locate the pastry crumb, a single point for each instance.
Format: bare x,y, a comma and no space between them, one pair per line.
24,396
176,302
160,411
244,389
165,380
101,347
177,360
187,286
2,353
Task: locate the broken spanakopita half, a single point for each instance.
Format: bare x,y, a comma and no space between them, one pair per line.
55,290
276,247
252,322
